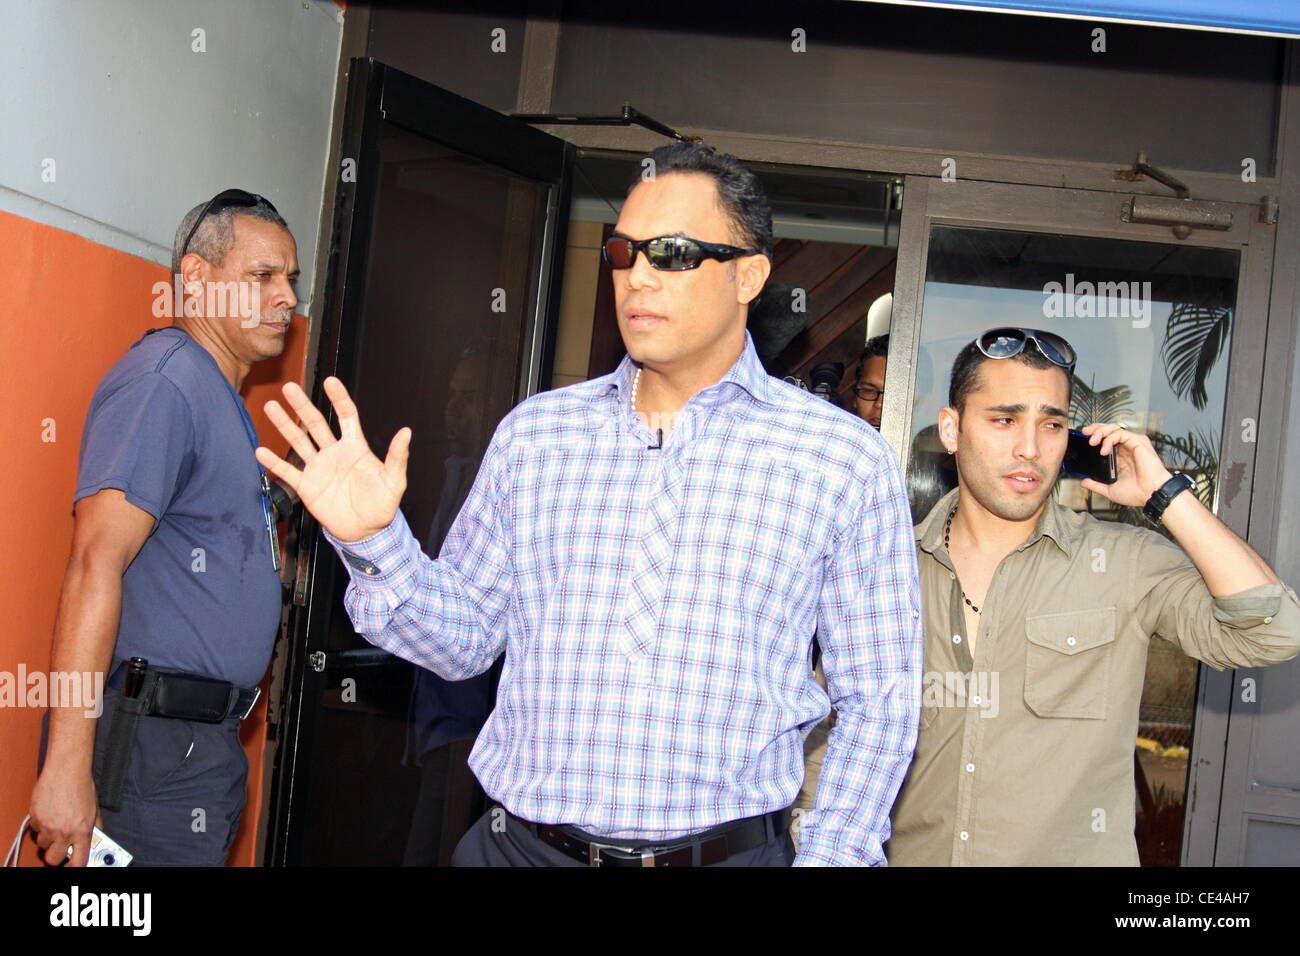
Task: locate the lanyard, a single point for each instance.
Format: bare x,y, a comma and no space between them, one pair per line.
264,485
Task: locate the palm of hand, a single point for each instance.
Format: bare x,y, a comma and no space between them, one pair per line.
347,488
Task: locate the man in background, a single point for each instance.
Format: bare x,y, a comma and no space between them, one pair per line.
869,381
1038,620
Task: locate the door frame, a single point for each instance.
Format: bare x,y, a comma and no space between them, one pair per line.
929,201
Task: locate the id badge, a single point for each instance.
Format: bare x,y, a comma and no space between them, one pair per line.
272,531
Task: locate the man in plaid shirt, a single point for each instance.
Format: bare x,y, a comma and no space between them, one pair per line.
653,551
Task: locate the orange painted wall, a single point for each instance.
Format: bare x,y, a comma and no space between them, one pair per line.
71,308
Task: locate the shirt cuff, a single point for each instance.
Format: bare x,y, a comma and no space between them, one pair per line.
1253,606
811,856
383,561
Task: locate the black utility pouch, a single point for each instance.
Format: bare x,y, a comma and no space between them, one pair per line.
193,697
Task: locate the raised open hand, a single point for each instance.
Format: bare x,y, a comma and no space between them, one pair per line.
349,491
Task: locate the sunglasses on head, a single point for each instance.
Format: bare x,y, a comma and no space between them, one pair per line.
667,253
1009,342
226,199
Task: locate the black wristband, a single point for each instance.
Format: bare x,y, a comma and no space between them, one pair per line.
1159,500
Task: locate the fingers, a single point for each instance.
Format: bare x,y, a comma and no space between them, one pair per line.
54,847
277,466
1097,431
344,409
399,451
298,440
309,415
80,851
1108,435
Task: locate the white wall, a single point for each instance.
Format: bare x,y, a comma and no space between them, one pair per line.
141,127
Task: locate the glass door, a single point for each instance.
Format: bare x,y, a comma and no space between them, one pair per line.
439,314
1169,333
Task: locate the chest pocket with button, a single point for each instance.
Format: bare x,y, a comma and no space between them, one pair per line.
1068,661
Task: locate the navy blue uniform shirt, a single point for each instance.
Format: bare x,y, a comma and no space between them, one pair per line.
167,429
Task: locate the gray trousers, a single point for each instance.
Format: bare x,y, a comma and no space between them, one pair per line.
184,792
510,843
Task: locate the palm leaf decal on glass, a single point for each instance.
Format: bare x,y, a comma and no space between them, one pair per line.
1194,339
1196,453
1108,405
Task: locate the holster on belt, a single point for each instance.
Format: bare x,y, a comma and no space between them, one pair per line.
133,701
162,692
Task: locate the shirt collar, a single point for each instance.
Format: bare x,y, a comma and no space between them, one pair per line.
1054,523
747,374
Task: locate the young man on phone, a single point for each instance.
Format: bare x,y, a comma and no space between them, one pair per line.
1037,622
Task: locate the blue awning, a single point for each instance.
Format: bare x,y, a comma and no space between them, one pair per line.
1268,17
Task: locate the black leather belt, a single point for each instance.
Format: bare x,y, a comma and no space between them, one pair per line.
191,696
701,849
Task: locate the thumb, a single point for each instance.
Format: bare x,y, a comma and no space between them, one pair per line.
1091,484
399,451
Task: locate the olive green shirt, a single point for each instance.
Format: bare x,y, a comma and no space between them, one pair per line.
1025,754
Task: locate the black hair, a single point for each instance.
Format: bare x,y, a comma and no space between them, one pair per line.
965,368
739,192
877,347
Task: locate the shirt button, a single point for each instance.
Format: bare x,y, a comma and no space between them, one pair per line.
1071,640
951,576
970,768
964,835
916,613
977,700
956,638
1268,620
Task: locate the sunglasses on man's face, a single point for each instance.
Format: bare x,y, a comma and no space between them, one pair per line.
1009,342
226,199
667,253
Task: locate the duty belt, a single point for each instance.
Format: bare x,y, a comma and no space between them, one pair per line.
161,692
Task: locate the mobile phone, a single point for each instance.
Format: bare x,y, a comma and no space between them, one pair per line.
1084,460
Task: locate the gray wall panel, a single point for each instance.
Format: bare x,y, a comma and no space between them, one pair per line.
141,127
450,47
908,77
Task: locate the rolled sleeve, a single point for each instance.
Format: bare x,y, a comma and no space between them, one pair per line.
1252,628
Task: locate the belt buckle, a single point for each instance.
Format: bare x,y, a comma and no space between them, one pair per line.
646,854
257,695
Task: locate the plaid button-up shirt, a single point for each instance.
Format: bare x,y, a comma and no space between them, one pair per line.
656,607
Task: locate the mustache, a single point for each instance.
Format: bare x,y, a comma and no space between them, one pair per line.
1030,469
